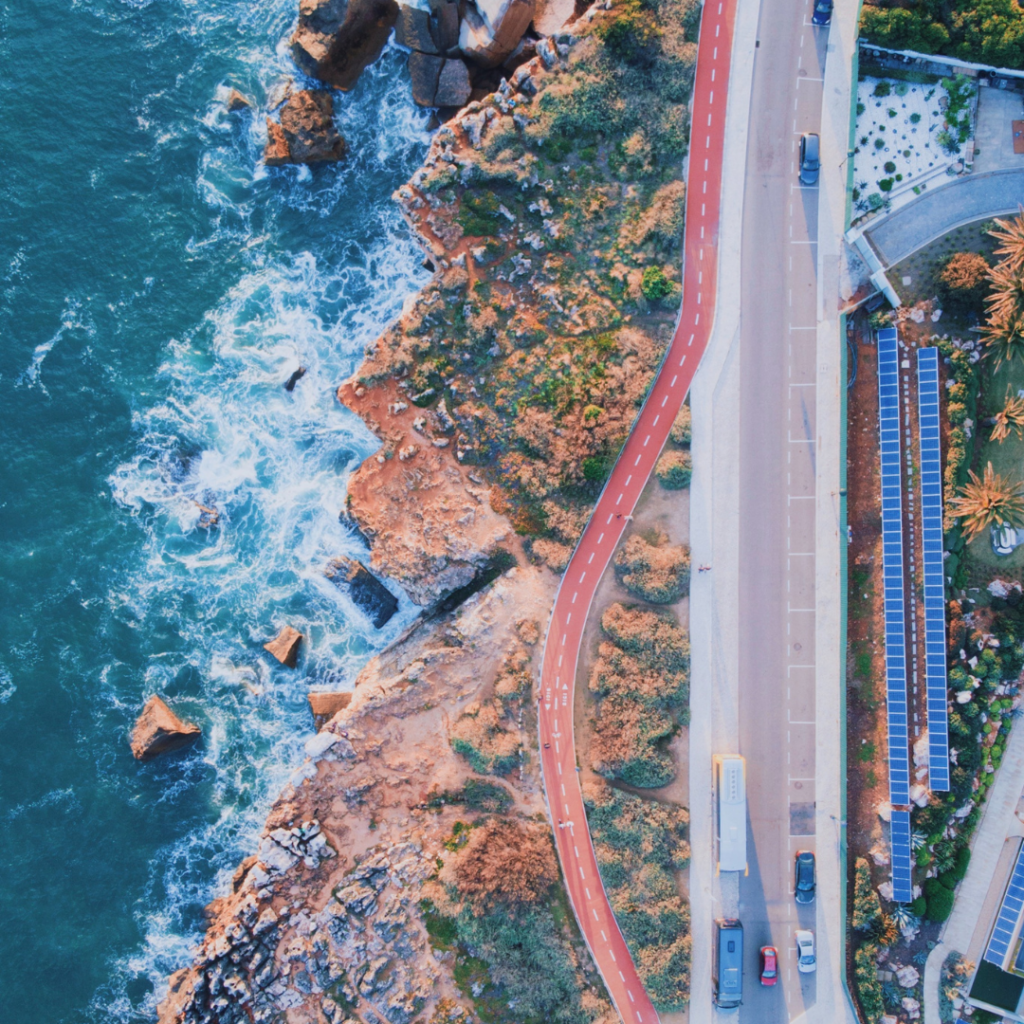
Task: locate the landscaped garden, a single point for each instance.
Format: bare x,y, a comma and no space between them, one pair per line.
908,132
982,349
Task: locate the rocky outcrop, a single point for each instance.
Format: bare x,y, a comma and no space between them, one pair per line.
492,29
336,39
285,646
324,922
439,81
306,132
296,376
326,705
366,591
435,31
236,101
159,730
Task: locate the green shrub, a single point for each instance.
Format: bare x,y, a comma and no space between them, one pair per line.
919,907
632,35
939,899
869,990
882,89
654,284
866,906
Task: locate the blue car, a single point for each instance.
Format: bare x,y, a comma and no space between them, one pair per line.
822,12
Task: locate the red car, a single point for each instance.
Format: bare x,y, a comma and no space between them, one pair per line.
769,965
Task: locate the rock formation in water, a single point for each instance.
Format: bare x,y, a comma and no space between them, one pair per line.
336,39
285,646
326,705
368,593
306,132
159,730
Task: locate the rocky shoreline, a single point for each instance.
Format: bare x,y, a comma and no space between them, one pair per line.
499,397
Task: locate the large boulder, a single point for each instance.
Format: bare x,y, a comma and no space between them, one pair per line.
336,39
306,134
364,588
437,81
492,29
435,31
285,646
158,730
326,705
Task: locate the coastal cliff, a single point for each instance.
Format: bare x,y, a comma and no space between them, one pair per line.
391,882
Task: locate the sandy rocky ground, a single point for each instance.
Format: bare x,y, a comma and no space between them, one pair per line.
323,923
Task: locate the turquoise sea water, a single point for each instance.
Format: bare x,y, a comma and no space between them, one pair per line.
158,286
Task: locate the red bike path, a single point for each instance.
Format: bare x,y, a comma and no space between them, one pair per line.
609,519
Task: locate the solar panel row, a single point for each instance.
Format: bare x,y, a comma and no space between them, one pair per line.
931,546
892,566
1009,915
902,881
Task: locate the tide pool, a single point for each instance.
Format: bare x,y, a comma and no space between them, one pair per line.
158,288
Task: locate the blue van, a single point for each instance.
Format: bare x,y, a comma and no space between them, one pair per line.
728,964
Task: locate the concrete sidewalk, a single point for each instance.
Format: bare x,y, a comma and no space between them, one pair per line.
998,821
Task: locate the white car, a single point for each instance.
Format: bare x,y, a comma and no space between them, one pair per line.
806,961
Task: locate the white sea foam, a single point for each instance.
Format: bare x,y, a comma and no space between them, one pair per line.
326,262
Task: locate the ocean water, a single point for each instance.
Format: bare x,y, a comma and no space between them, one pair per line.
158,287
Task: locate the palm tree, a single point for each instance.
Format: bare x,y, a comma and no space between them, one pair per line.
1007,297
1011,234
994,500
1010,416
1003,337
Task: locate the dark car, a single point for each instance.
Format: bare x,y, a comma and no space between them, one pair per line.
810,160
804,877
822,12
769,965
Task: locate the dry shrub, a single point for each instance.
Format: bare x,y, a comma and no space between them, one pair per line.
482,739
645,633
556,556
963,279
662,220
618,672
653,569
627,743
681,432
674,470
506,861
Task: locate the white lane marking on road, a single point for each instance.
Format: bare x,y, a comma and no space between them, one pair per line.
709,120
696,320
582,575
714,56
705,163
596,918
558,751
712,74
563,639
664,401
675,377
622,976
807,78
656,418
718,28
646,439
591,558
559,769
711,98
605,937
560,660
702,208
689,343
577,849
628,478
698,298
568,618
683,360
563,789
618,499
574,597
630,994
707,142
599,539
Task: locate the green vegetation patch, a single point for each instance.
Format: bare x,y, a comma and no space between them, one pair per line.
640,844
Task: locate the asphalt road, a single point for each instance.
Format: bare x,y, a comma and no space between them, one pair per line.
777,487
609,519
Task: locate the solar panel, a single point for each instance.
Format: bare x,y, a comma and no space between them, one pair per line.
892,566
899,834
932,565
1009,915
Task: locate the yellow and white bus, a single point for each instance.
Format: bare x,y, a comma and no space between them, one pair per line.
731,811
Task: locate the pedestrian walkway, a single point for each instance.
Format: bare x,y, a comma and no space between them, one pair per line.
943,208
998,820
